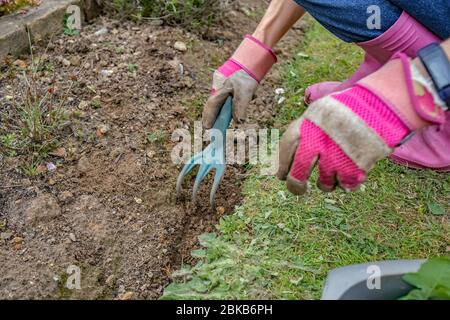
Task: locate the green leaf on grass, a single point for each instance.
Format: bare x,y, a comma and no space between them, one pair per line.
333,208
206,239
432,281
436,209
200,253
178,291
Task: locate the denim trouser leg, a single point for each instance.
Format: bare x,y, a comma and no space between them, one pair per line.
434,14
347,19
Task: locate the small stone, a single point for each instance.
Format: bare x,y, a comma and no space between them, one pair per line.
20,63
60,153
106,73
65,196
102,130
138,200
72,237
5,235
83,164
18,240
41,168
44,207
127,296
180,46
101,31
65,62
75,61
110,280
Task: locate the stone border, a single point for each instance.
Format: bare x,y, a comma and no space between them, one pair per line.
42,22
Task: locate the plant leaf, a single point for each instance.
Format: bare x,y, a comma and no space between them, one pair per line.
206,239
200,253
436,209
432,281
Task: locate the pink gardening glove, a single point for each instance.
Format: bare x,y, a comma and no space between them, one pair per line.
345,134
239,77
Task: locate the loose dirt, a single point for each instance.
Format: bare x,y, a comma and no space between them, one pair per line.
109,208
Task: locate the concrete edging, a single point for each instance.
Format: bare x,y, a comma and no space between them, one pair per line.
42,22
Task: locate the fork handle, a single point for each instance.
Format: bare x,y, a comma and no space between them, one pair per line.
224,119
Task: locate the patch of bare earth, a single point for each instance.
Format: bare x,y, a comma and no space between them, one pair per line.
109,207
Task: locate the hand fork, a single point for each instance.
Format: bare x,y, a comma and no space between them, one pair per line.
213,157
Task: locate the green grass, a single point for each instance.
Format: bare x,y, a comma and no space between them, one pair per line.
194,107
157,137
281,246
34,126
194,15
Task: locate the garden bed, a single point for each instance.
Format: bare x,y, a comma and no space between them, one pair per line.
11,6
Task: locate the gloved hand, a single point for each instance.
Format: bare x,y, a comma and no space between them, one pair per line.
239,77
345,134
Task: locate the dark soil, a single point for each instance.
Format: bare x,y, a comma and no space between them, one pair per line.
110,207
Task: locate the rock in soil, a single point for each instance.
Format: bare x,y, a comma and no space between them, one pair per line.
180,46
43,208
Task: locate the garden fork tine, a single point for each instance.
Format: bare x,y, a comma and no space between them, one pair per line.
202,172
213,157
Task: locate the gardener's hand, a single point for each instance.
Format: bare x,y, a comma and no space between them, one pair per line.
347,133
239,77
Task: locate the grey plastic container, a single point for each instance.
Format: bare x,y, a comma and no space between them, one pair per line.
350,282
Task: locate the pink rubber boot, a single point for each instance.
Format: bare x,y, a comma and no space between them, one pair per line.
429,148
407,35
323,89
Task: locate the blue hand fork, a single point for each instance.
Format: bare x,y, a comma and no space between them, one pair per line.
213,157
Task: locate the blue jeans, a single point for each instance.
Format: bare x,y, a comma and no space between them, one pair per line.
347,19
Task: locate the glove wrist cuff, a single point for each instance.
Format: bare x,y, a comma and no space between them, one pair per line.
255,57
406,95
